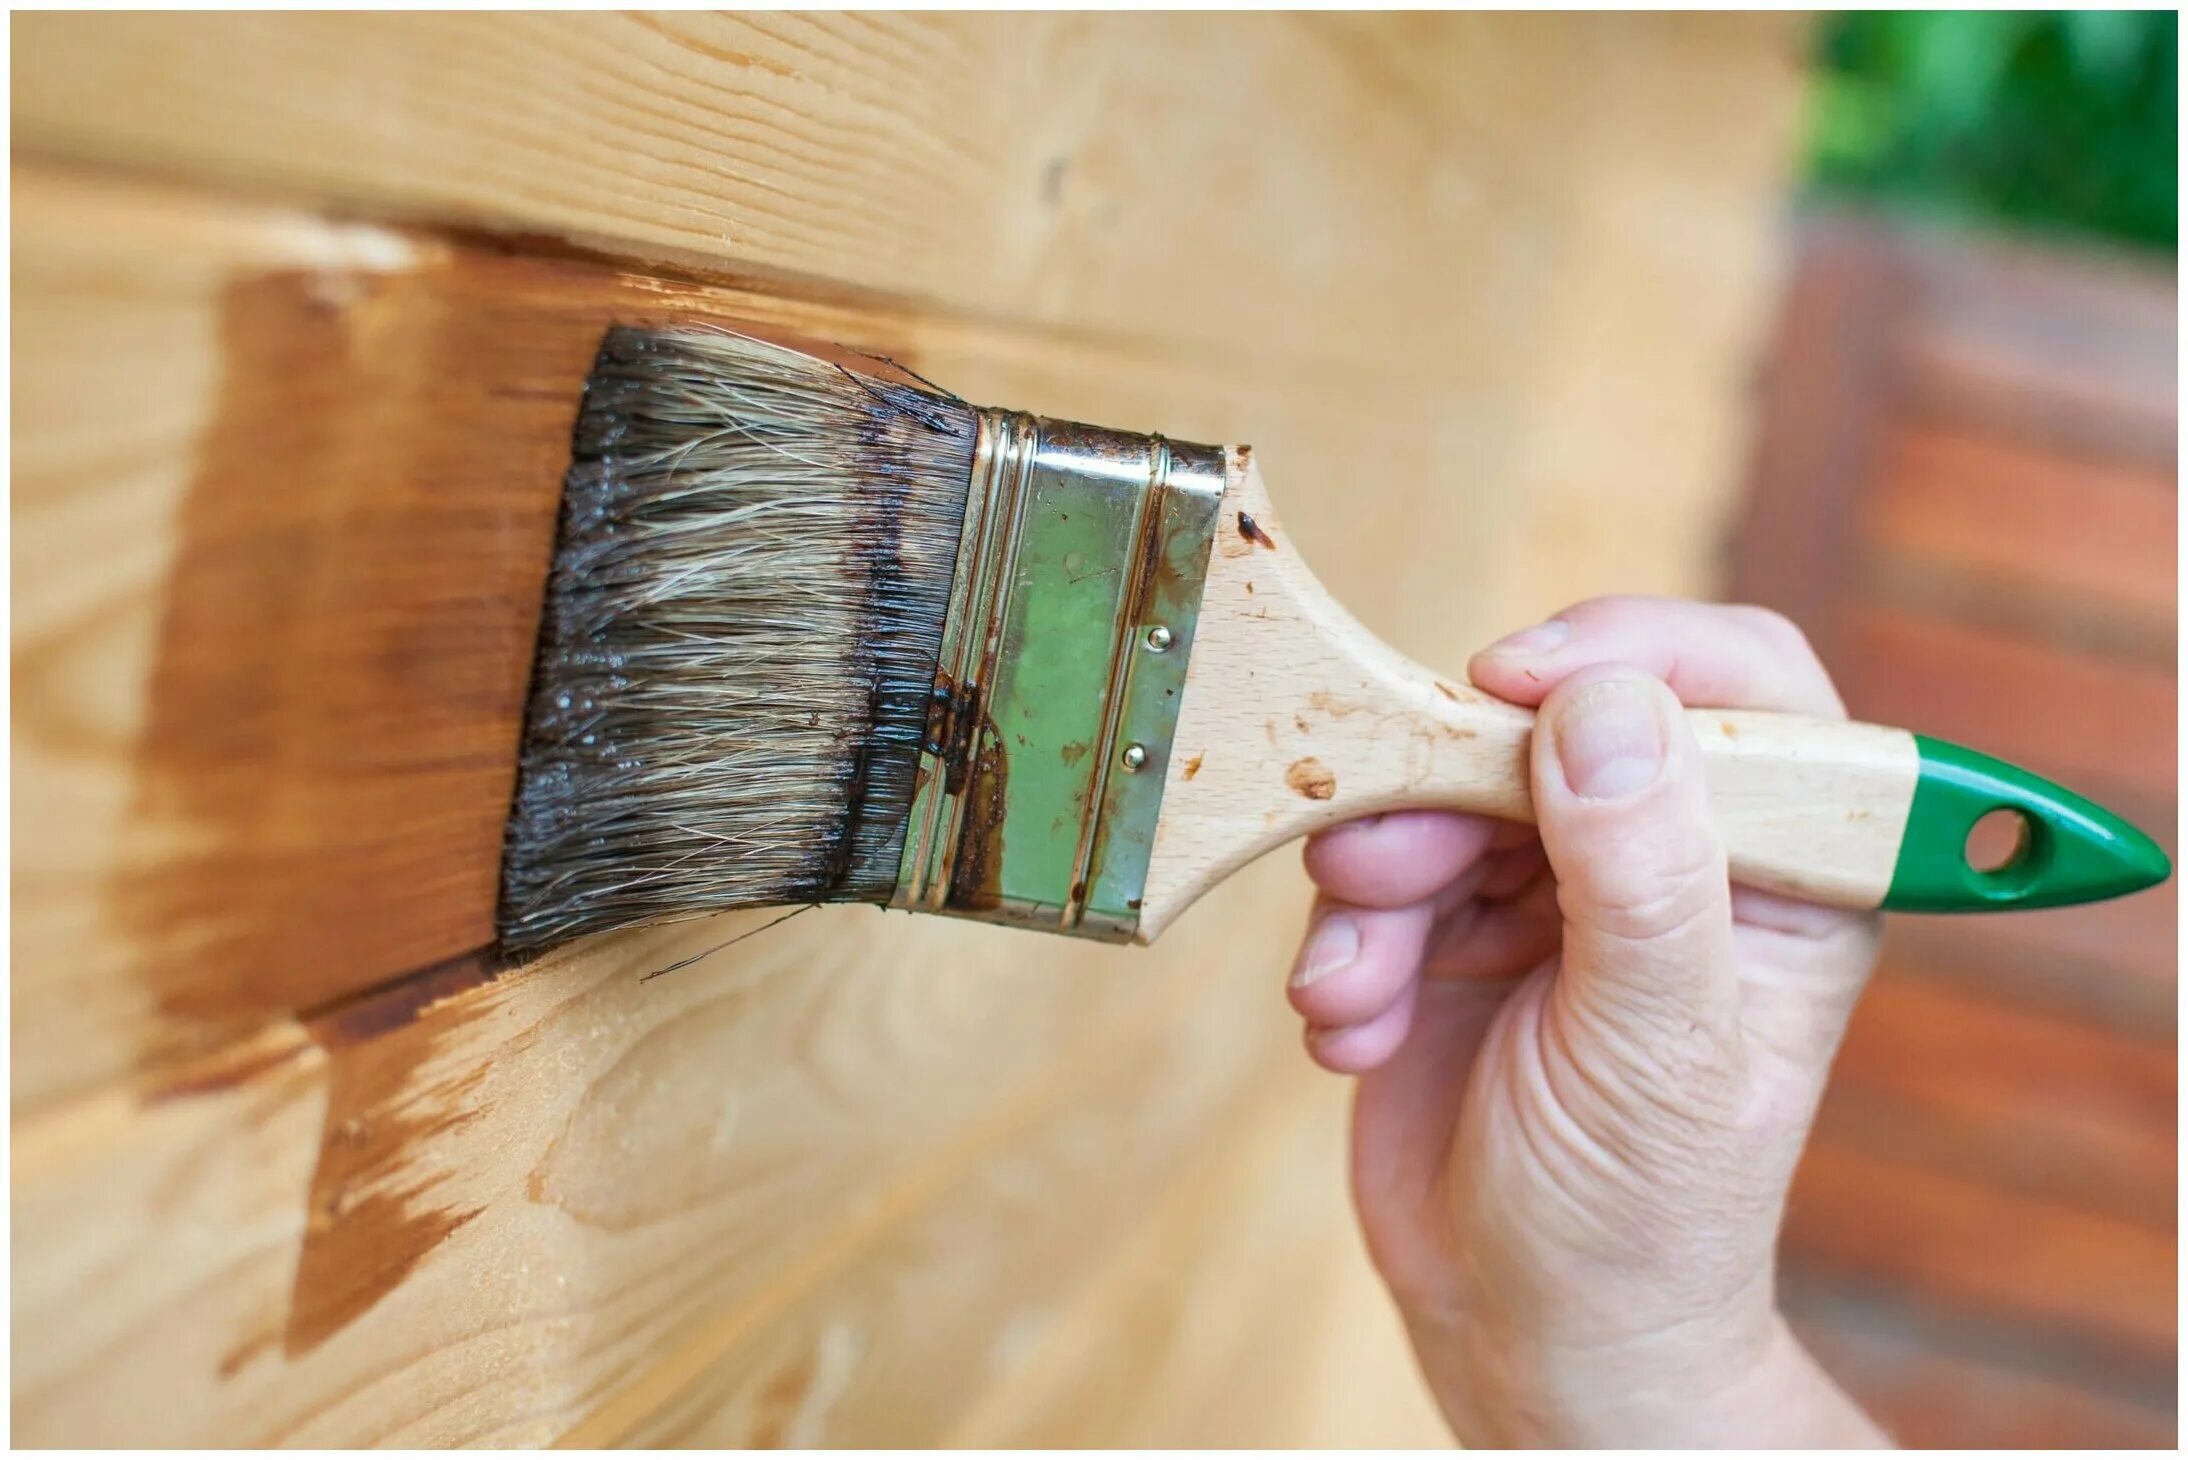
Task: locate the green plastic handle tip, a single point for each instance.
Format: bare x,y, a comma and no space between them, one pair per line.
2071,849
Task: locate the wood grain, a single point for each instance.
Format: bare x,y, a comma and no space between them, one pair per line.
412,1202
1086,172
325,626
321,634
994,1274
1179,1309
232,856
403,1157
497,1128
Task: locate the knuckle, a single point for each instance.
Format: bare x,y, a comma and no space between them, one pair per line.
1775,629
1655,886
1607,605
1788,644
1667,915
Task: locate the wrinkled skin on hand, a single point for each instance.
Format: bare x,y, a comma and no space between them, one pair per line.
1587,1064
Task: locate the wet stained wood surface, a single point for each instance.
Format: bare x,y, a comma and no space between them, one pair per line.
296,363
1966,492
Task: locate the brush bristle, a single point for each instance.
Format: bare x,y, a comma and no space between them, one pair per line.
739,642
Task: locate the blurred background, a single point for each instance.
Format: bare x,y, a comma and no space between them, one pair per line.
1964,488
1871,318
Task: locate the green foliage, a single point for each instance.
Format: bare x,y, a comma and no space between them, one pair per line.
2032,118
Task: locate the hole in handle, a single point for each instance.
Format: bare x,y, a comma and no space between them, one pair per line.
1997,839
2005,850
2040,846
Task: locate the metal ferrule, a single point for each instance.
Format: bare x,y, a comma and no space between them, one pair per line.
1056,697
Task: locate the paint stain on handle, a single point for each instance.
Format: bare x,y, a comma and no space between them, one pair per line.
1311,779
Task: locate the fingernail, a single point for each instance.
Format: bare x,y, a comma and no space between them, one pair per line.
1610,739
1335,943
1540,639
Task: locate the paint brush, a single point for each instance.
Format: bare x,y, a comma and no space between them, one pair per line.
819,631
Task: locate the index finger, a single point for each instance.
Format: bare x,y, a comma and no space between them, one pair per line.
1723,656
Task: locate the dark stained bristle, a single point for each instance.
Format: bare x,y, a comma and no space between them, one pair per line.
739,641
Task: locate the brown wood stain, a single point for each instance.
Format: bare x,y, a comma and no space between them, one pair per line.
334,710
333,718
327,754
329,744
375,1209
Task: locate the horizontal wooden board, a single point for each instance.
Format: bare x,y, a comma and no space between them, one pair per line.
2070,549
1097,173
1935,1381
267,744
424,1204
1963,1081
2102,726
481,1210
985,1319
1971,1243
2108,963
2073,350
269,740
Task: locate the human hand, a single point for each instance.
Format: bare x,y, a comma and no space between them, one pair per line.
1588,1064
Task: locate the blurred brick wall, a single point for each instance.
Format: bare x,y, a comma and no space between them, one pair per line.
1964,490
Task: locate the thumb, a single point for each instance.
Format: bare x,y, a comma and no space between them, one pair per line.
1623,808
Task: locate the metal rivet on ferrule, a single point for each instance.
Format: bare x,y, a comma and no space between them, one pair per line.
1134,756
1159,638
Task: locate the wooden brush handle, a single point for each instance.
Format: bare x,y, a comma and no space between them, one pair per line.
1296,717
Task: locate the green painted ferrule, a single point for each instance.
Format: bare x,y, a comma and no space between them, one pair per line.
2071,849
1077,591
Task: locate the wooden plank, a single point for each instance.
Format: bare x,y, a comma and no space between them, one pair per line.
2077,350
161,1236
1934,1382
468,1211
1084,171
2071,550
327,654
268,745
195,883
2099,726
1978,1246
986,1307
1961,1082
439,1206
